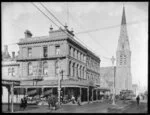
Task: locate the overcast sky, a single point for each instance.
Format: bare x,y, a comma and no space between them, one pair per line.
84,16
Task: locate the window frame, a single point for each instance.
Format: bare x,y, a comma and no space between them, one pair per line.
29,52
45,52
57,52
45,68
30,72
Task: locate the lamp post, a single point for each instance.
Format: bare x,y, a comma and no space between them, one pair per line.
113,60
12,97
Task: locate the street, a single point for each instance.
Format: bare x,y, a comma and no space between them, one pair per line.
95,107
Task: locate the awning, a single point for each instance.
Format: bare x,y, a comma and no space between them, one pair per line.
32,92
10,81
103,89
47,92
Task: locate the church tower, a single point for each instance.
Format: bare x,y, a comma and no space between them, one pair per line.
123,59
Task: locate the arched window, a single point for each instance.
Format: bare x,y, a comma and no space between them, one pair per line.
30,69
83,73
73,67
80,71
77,71
45,68
70,50
70,68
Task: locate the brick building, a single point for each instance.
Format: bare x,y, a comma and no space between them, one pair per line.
43,59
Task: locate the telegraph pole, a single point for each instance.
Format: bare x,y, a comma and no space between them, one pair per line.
113,60
58,75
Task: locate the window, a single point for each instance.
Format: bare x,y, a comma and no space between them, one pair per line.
77,71
70,50
57,67
45,68
30,69
11,71
45,52
74,53
70,68
73,67
57,50
29,52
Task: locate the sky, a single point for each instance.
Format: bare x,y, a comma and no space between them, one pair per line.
84,16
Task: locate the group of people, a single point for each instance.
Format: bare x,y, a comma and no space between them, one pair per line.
78,100
52,101
23,103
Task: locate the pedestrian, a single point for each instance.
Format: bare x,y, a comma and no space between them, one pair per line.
79,100
25,102
138,100
73,99
21,103
91,98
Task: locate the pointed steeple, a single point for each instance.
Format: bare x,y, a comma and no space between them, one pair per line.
123,42
123,17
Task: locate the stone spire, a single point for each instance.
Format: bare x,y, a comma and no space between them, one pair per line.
123,42
123,17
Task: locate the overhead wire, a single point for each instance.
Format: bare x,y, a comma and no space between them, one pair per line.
63,26
109,27
91,36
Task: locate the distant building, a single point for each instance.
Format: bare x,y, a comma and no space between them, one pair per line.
10,72
107,76
135,88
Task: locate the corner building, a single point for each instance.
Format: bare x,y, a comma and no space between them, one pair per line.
44,59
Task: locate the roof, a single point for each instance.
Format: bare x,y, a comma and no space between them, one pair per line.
55,35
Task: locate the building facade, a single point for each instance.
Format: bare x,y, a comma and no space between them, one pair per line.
10,73
42,61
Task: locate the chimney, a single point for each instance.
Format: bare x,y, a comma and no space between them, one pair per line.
72,30
51,28
13,55
66,26
5,48
28,34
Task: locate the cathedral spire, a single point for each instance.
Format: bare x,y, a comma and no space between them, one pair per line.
123,17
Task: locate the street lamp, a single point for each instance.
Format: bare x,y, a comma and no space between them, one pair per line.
113,60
